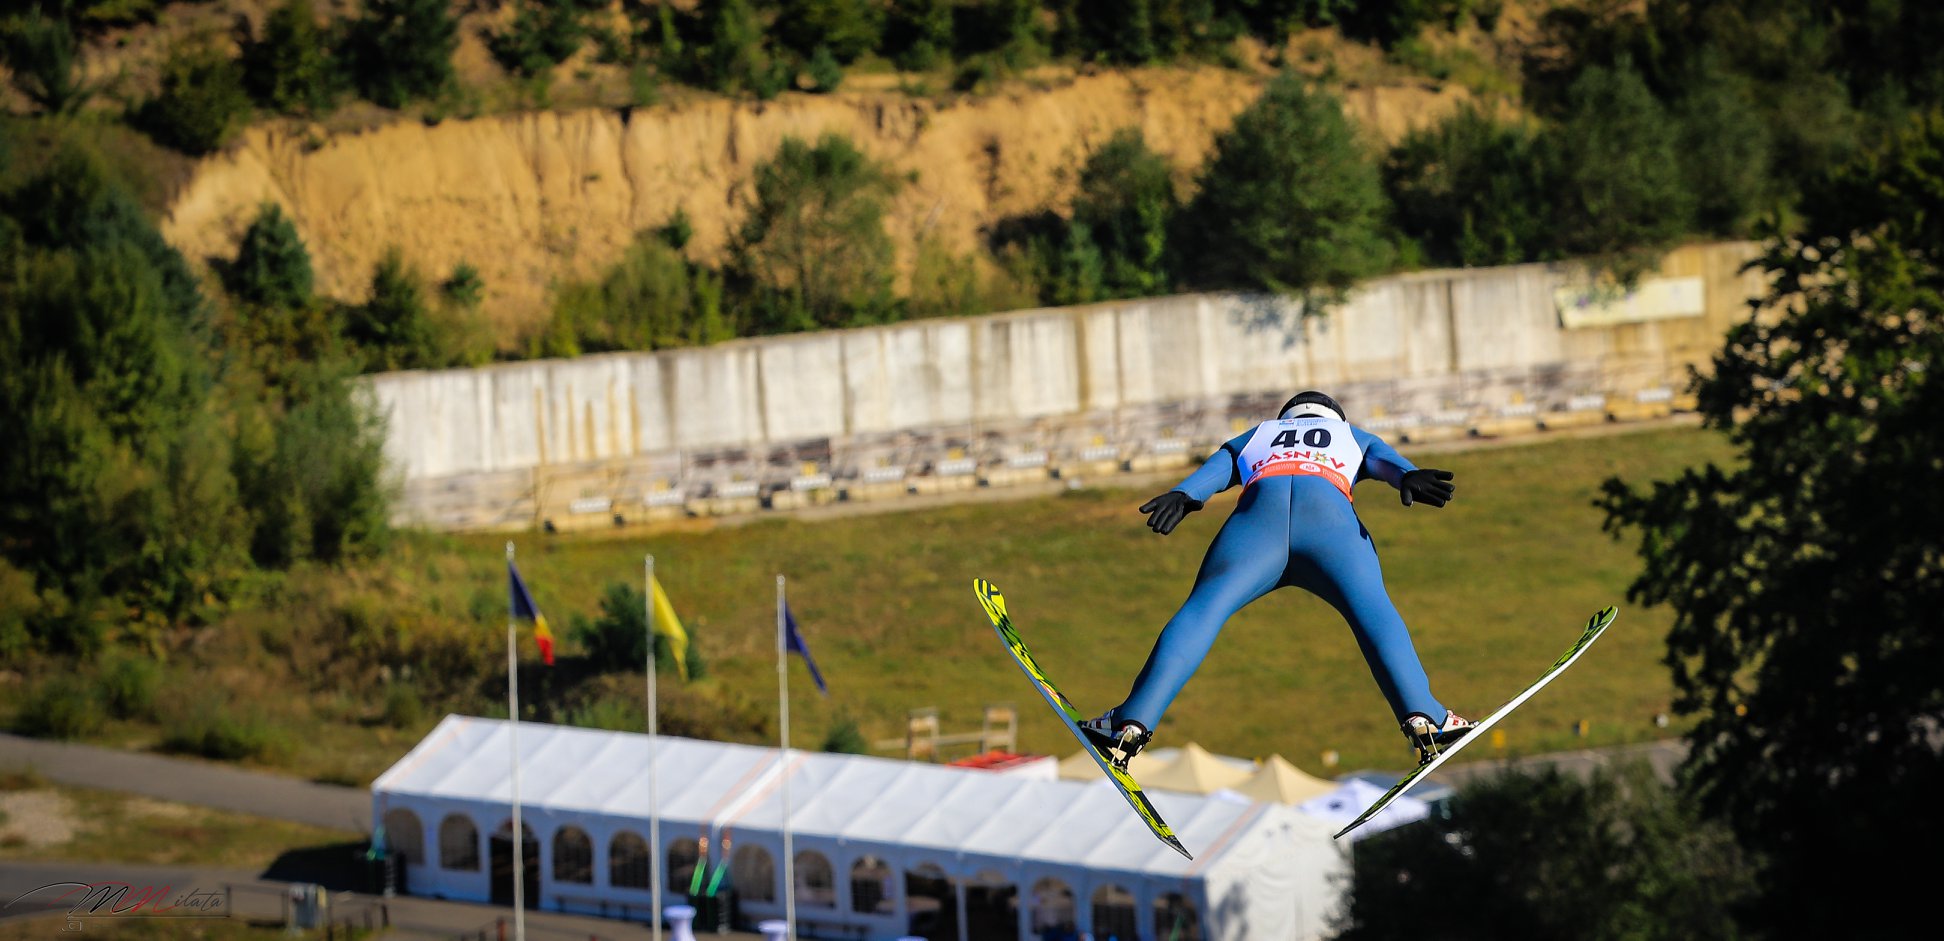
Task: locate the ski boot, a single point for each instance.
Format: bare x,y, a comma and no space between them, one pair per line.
1429,738
1117,740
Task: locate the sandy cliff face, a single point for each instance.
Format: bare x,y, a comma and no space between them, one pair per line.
533,198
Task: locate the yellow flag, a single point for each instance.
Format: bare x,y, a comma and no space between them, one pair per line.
670,626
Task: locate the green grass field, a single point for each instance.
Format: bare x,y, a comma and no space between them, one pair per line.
1494,587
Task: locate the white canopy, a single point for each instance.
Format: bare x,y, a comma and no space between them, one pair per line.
1261,869
1344,804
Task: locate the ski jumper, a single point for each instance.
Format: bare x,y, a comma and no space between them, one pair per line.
1294,525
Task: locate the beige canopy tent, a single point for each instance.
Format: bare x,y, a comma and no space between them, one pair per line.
1280,782
1190,769
1194,771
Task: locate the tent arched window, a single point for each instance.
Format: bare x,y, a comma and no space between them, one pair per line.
816,884
1115,914
992,907
458,843
404,837
872,891
683,855
1053,910
628,861
932,903
573,856
1175,917
753,871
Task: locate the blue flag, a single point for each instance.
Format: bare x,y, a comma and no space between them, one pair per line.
793,642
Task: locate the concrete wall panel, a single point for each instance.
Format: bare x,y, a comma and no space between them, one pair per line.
1422,342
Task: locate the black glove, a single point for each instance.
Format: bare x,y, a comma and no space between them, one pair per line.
1167,510
1425,486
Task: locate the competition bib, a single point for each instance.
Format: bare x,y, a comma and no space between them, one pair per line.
1302,447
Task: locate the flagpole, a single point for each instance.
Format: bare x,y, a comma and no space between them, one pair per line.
783,701
513,735
654,752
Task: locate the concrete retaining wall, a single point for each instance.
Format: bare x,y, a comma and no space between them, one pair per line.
1119,382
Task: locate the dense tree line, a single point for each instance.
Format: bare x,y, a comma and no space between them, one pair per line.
171,445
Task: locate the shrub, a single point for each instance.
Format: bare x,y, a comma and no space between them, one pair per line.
825,73
845,28
845,738
202,102
272,267
291,68
1288,202
541,36
1470,191
918,33
128,683
63,706
614,640
44,56
393,328
814,243
1126,203
403,709
210,728
1617,169
401,50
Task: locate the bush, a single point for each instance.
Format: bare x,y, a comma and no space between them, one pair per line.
212,729
652,298
63,706
541,36
1543,855
291,69
845,738
272,267
614,640
393,328
401,50
1288,202
1617,168
845,28
44,56
1726,152
128,683
1470,191
1125,204
825,73
403,709
202,102
813,244
313,472
918,33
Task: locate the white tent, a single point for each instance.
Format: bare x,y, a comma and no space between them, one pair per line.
1344,804
1005,856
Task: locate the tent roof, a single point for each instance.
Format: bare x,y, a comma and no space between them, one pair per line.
1194,771
1284,783
853,798
1349,799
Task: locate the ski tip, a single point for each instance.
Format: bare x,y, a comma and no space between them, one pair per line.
1171,841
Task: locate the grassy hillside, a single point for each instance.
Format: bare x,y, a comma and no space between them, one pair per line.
333,673
1494,587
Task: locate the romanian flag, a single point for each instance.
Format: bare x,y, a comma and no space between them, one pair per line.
670,626
524,609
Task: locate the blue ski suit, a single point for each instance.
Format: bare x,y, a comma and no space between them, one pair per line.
1294,525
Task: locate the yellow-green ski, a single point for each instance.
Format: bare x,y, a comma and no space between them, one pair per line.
995,608
1595,625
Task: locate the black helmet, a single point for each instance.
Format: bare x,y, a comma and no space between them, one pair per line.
1313,397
